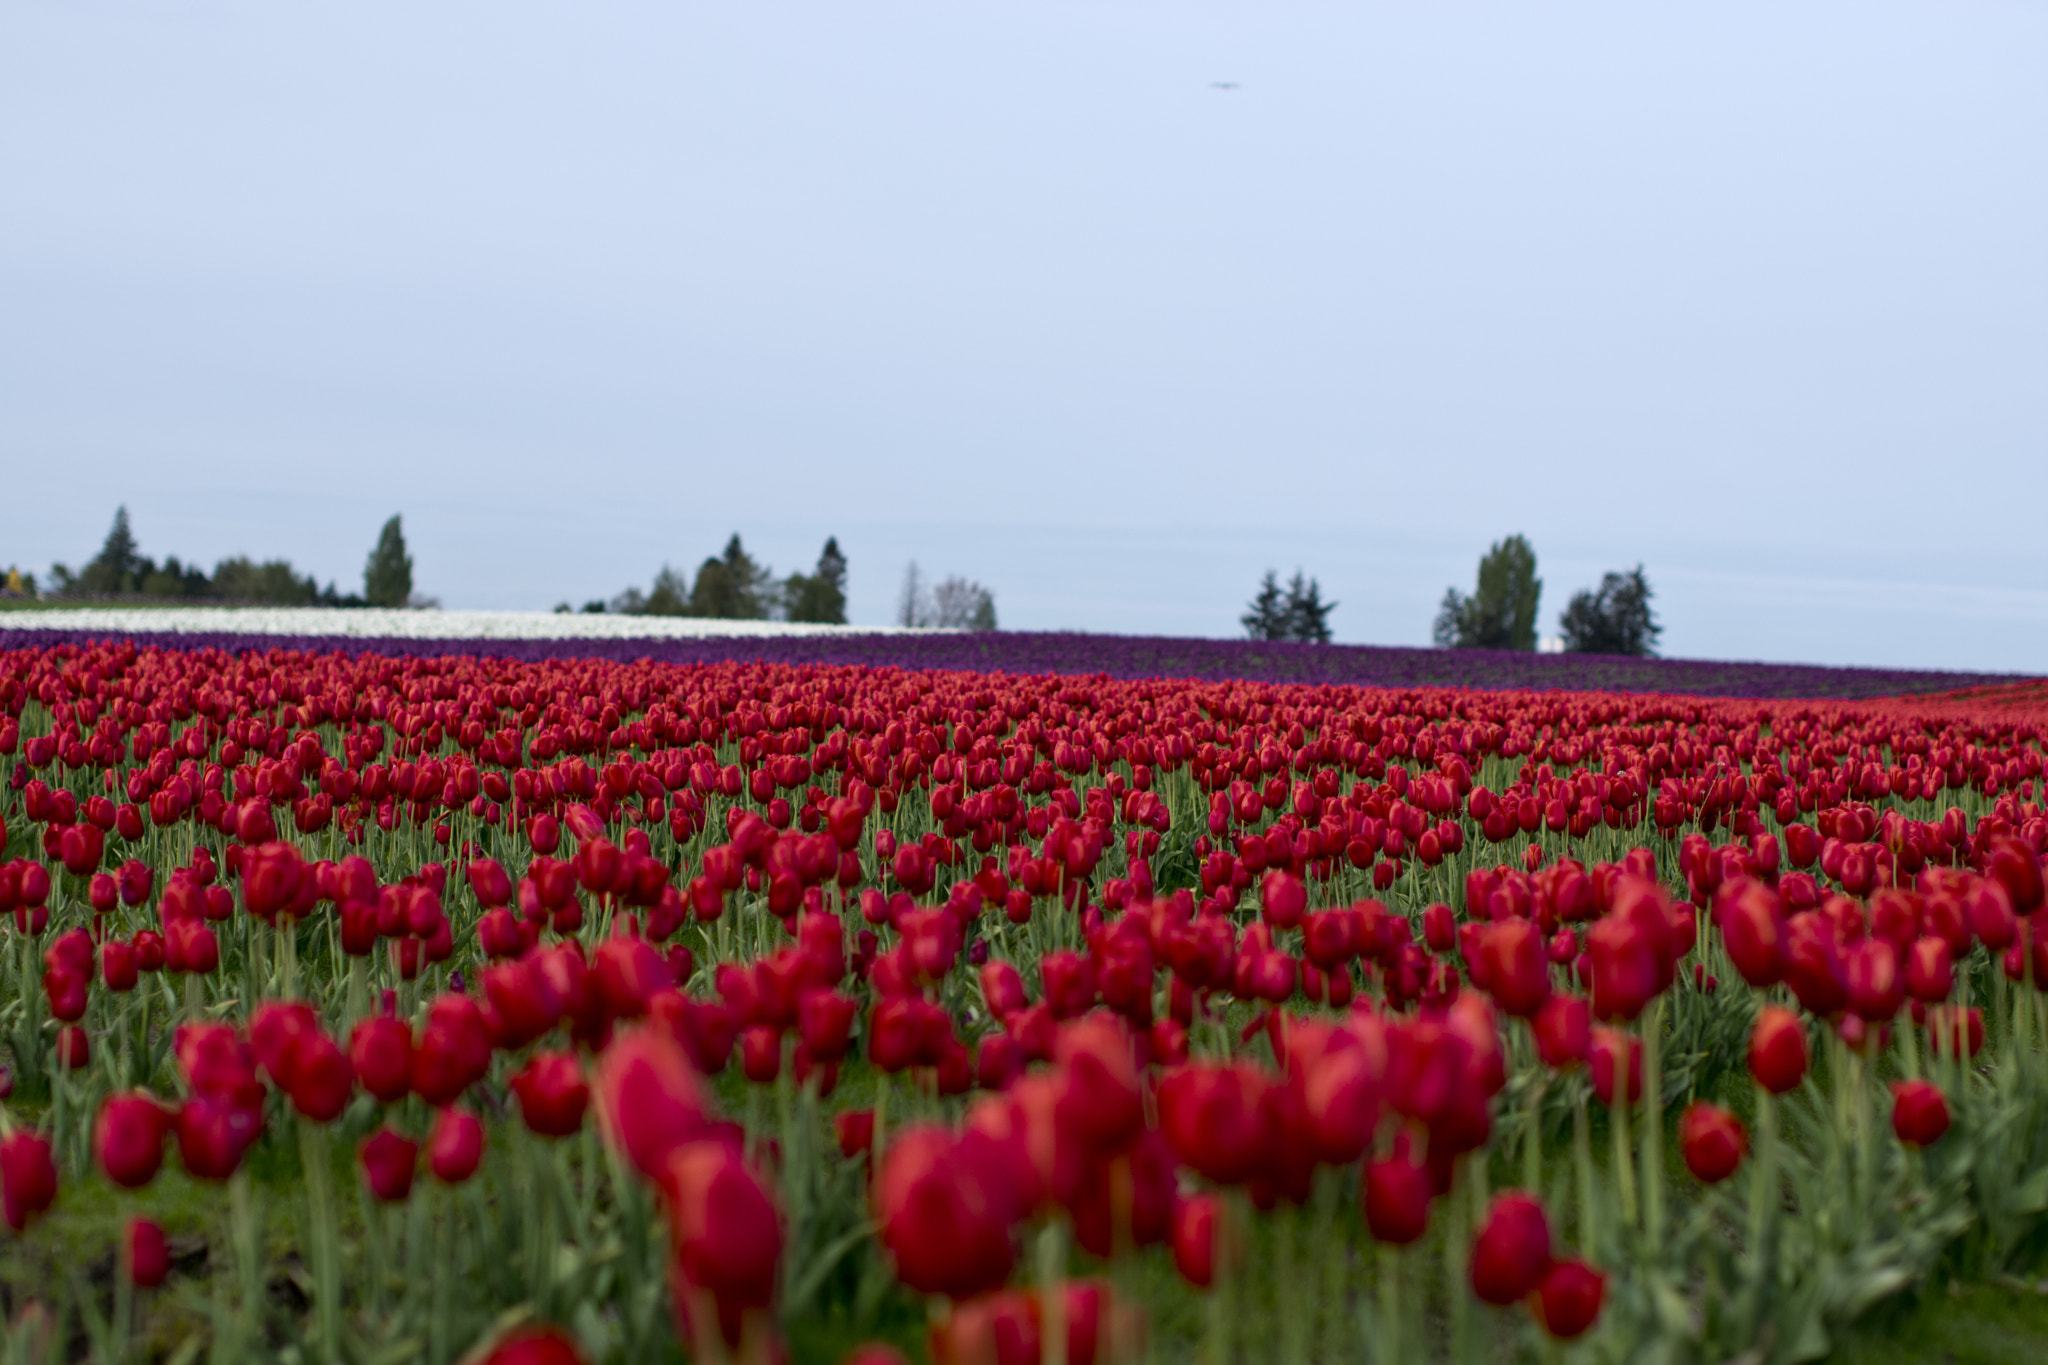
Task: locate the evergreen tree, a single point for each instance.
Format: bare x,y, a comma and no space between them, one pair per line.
820,597
983,618
1615,619
387,577
1501,612
1307,615
117,568
1267,617
732,587
670,595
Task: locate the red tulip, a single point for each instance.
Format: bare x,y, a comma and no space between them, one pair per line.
28,1178
944,1212
1777,1049
1712,1141
534,1344
1753,933
388,1160
1568,1302
381,1051
552,1094
854,1131
1919,1112
1564,1031
1194,1240
726,1230
1616,1057
1215,1119
270,878
1871,973
1512,1253
118,965
649,1098
1283,899
128,1139
149,1256
1516,967
456,1145
1930,970
1396,1193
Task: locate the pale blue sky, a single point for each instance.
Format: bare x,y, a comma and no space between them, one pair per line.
1753,293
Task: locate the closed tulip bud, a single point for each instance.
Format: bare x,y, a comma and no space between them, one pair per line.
1283,899
1396,1194
1564,1031
491,883
1194,1239
128,1139
270,878
1930,970
456,1145
1777,1050
1215,1119
1002,988
725,1227
854,1131
943,1214
1516,969
28,1178
1712,1141
149,1255
534,1345
552,1094
380,1049
1871,973
387,1160
321,1080
1616,1061
825,1024
627,973
1568,1301
117,965
1512,1253
1919,1112
74,1048
761,1053
101,892
1752,931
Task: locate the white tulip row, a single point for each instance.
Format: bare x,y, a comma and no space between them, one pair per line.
376,623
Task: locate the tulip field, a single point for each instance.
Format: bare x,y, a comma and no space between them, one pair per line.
378,1004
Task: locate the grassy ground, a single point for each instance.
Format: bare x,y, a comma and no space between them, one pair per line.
1963,1325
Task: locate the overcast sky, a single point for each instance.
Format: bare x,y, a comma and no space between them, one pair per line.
1755,294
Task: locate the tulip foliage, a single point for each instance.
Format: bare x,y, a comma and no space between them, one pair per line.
576,1010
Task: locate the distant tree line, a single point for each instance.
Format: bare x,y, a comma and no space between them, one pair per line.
1500,612
121,570
1296,613
733,586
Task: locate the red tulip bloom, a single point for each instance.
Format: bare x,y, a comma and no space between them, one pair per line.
1515,966
1919,1112
534,1345
1712,1141
149,1256
128,1139
1564,1031
1512,1253
28,1178
1752,930
1283,899
1777,1049
1930,970
726,1230
1215,1119
649,1098
552,1094
944,1216
1396,1194
388,1160
1194,1239
381,1051
1616,1057
1568,1301
456,1145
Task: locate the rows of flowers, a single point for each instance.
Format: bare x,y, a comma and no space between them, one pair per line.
535,636
366,1007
